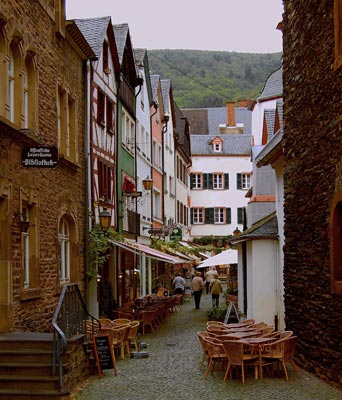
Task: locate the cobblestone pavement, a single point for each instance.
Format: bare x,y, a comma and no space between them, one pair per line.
171,371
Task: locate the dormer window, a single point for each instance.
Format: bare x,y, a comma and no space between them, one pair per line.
217,145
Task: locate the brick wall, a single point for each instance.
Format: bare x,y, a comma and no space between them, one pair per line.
312,147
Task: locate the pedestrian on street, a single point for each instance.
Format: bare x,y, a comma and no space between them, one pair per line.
216,290
209,276
197,285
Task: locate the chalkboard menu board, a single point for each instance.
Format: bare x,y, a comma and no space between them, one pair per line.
103,352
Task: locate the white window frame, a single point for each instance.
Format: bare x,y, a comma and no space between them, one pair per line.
246,181
198,216
217,147
197,181
64,247
219,215
11,82
218,180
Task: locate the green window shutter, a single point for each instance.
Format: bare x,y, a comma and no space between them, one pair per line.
191,216
240,215
228,216
226,181
209,215
210,181
239,181
191,181
205,181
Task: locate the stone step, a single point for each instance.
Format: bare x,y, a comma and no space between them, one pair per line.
26,356
29,382
34,395
24,369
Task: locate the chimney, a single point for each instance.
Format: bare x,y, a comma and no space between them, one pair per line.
230,113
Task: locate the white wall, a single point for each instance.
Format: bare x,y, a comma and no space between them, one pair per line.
262,258
258,118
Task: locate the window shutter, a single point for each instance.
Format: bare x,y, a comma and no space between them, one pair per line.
205,181
240,215
228,215
239,181
210,181
226,181
191,181
191,216
209,215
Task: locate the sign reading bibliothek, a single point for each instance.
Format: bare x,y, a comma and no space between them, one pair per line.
103,352
39,157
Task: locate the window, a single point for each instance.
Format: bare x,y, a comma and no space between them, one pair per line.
100,107
29,243
66,125
217,147
26,252
60,17
240,215
156,204
335,236
11,86
218,181
338,33
64,251
128,132
105,58
196,181
105,180
243,181
197,216
110,117
219,215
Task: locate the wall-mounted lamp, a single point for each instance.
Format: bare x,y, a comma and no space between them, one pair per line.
105,218
147,183
236,232
23,222
98,278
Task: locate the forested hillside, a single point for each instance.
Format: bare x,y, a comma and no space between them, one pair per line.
211,78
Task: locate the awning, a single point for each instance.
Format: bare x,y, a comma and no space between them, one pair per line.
139,248
226,257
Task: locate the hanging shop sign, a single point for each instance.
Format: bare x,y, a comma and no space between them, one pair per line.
39,157
176,234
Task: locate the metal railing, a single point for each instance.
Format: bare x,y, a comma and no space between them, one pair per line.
69,320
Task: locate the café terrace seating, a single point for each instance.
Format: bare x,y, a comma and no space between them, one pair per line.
249,344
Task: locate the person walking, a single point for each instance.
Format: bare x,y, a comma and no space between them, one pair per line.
197,286
216,290
209,276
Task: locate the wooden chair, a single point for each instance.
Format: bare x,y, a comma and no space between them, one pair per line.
281,352
236,356
120,340
178,302
246,322
105,322
147,319
215,352
201,336
91,328
133,334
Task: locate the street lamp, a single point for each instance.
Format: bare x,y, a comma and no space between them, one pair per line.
105,218
147,183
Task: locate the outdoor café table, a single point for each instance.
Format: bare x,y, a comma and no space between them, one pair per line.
242,329
242,335
257,342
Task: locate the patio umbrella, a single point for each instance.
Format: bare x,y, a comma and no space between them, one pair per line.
226,257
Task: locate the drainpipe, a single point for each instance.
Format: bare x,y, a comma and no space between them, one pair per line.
164,130
155,105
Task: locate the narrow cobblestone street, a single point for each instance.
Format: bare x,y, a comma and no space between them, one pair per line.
171,371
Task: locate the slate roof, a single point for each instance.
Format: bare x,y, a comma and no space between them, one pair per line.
94,31
273,86
165,86
204,121
182,133
279,106
121,32
270,118
266,228
233,144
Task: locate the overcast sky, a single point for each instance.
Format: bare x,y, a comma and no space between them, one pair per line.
247,26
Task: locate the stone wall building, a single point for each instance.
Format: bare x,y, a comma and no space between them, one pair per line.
42,209
312,32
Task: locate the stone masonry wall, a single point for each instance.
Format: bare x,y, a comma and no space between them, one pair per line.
61,189
312,147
